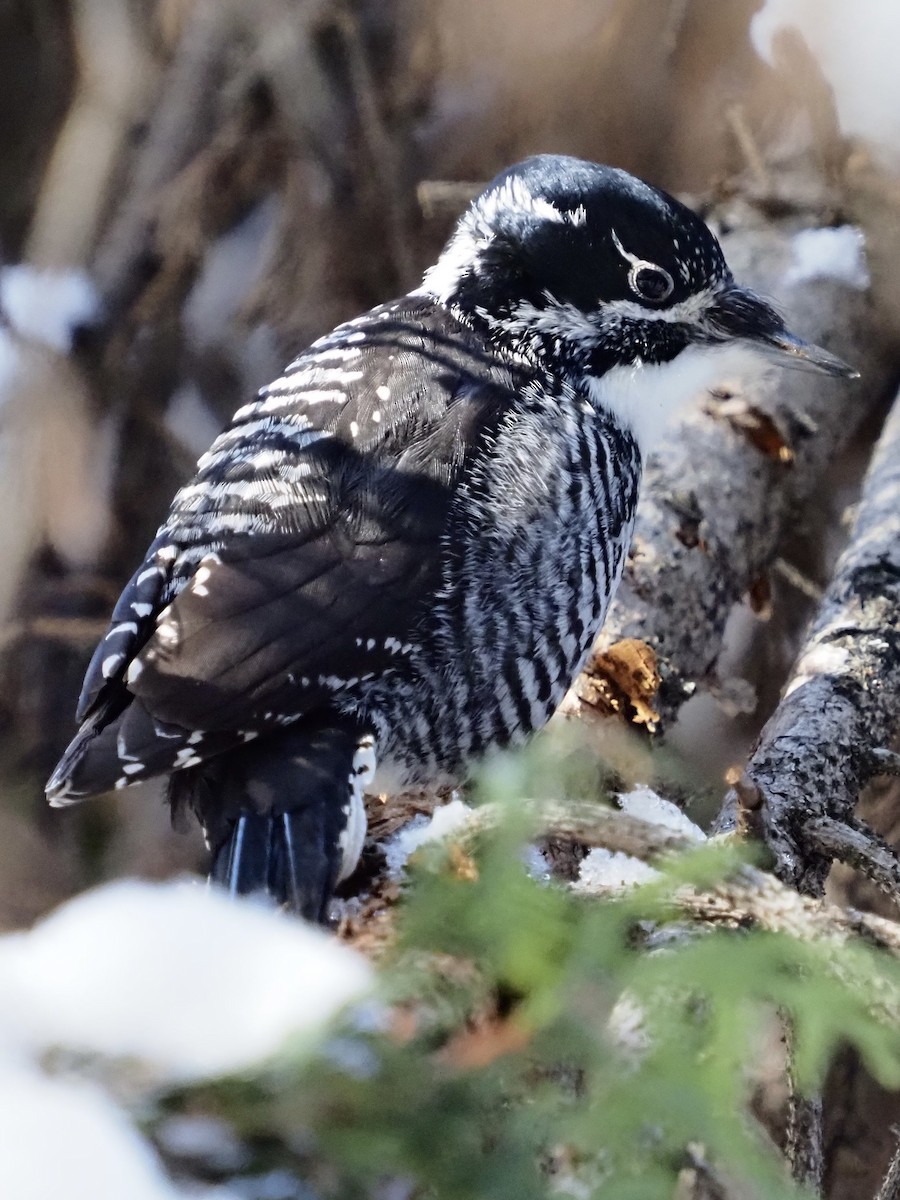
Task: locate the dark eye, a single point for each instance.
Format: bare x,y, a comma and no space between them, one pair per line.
651,282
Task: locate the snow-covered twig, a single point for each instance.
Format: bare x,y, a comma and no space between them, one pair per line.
591,824
749,897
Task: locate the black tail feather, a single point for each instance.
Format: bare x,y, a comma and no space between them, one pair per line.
276,814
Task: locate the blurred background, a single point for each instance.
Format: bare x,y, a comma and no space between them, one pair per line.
193,190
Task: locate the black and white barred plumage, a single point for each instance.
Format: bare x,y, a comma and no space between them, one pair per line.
399,554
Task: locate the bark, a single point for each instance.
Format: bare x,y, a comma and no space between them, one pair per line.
840,705
890,1187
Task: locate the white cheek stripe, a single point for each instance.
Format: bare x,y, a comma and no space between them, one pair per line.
689,311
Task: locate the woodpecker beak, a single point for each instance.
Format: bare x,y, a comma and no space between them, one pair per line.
788,350
739,313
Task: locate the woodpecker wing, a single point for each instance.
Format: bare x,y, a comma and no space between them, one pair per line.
297,560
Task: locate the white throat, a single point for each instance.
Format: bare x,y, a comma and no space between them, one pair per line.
646,397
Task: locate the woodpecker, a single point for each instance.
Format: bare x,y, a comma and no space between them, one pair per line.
398,556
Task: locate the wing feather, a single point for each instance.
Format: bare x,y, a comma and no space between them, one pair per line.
302,553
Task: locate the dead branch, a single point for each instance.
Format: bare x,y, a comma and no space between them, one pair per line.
718,495
805,1140
850,841
890,1187
182,120
805,1145
116,74
841,703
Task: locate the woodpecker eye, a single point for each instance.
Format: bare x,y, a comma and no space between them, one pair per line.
650,282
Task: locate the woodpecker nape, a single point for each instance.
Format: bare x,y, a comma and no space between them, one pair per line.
398,556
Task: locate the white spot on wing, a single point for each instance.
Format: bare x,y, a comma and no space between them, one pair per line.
123,627
353,835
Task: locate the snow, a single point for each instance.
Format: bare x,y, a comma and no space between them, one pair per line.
65,1138
642,802
177,976
627,1028
47,306
856,47
611,869
443,821
818,660
537,864
834,253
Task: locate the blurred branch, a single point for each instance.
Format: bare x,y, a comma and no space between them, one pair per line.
445,198
737,123
851,842
180,124
592,824
80,631
840,705
115,72
383,150
890,1187
805,1137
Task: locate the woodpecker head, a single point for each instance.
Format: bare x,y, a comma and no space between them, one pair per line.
611,281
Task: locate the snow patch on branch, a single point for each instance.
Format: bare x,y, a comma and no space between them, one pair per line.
831,253
611,869
603,870
444,820
642,802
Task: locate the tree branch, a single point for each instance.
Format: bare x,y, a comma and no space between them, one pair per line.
890,1187
840,705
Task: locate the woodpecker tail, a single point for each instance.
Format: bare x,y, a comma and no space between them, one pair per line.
284,814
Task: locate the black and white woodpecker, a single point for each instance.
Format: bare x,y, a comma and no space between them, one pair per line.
398,556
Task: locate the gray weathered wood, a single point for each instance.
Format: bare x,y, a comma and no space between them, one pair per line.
843,699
